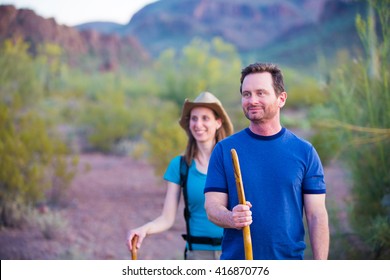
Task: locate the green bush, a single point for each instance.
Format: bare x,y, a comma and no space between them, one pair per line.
303,90
165,142
33,158
165,138
201,66
108,119
358,117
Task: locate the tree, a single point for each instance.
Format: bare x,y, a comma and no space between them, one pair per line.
33,159
359,111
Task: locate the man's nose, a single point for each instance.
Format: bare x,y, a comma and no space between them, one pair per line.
253,99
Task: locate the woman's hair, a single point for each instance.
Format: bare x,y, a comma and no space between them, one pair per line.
192,148
273,69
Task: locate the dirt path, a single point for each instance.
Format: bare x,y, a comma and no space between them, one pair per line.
117,194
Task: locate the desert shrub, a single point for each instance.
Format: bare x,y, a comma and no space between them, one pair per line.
200,66
302,90
32,156
19,86
378,236
327,142
74,252
13,213
165,138
51,223
358,117
114,118
32,162
165,141
108,119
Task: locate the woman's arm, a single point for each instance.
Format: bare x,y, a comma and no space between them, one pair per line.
162,222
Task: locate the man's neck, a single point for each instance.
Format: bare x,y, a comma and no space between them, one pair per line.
265,129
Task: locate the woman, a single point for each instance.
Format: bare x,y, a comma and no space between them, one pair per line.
205,122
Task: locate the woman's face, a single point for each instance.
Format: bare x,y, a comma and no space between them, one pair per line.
203,124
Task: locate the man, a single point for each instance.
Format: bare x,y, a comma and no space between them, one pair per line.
282,177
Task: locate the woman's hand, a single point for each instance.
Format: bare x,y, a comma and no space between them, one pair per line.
140,232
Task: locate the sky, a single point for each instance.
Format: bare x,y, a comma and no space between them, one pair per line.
73,12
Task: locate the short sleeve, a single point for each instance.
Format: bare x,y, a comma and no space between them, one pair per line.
172,173
216,178
314,182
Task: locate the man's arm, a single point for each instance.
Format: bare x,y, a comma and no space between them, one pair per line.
217,212
317,221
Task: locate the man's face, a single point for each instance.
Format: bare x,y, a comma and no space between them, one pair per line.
258,99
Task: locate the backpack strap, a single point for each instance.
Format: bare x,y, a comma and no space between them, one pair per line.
183,184
188,237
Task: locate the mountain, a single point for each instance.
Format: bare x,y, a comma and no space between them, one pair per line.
104,51
256,28
334,30
288,31
103,27
247,24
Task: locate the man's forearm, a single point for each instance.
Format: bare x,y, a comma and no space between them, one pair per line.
220,216
319,237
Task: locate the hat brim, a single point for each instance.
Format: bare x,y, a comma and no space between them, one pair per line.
188,106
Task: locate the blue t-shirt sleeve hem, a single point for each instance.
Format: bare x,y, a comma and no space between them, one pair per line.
212,189
314,191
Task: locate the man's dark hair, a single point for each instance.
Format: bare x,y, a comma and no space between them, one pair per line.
273,69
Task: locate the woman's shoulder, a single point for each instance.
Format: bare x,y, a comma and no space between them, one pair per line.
177,158
175,161
172,172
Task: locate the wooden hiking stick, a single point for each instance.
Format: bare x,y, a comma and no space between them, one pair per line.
134,247
241,199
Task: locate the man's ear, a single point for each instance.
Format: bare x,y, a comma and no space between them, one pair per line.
282,99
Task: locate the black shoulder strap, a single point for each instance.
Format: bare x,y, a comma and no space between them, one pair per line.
183,183
188,237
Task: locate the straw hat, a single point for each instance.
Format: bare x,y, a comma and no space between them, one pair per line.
206,99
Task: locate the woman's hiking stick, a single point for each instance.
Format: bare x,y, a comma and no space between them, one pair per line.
134,247
241,198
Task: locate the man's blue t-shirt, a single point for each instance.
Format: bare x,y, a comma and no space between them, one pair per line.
199,223
276,172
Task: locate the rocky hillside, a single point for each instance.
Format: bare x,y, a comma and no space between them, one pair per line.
282,31
106,50
249,25
246,24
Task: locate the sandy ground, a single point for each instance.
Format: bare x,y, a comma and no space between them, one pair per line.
115,195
